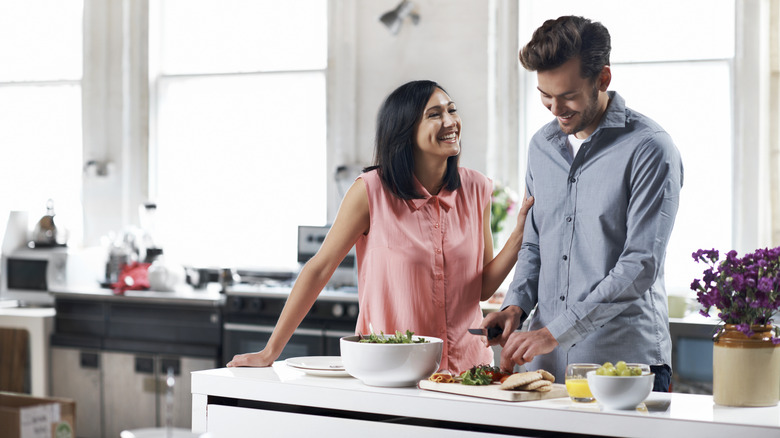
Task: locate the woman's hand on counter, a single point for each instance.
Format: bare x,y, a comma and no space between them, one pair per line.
259,359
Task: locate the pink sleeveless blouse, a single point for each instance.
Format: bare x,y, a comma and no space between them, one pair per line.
420,266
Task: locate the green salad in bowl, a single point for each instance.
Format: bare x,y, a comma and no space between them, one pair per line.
398,338
391,360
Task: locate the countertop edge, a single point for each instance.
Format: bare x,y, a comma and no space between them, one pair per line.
558,415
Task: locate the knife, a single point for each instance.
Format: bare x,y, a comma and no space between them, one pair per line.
491,332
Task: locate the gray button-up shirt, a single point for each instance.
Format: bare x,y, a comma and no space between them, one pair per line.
595,240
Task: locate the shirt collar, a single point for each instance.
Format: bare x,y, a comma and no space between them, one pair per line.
446,197
614,117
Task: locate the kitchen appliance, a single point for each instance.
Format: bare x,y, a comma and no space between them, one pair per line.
46,233
310,239
29,270
254,304
28,274
251,312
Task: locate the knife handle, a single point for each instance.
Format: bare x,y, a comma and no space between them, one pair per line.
493,332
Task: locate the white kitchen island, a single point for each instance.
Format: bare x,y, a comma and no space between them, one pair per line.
281,401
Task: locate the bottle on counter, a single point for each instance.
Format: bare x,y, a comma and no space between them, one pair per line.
152,249
121,252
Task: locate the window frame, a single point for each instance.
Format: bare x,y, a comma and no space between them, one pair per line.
117,118
752,221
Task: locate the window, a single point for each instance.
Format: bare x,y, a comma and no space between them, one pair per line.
239,138
677,71
40,109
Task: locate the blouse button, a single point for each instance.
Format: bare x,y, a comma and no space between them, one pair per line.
566,257
438,251
436,226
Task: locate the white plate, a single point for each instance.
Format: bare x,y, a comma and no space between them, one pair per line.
318,365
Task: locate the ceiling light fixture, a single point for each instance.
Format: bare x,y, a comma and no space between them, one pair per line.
393,19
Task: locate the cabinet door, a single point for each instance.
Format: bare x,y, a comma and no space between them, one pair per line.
181,406
75,374
129,392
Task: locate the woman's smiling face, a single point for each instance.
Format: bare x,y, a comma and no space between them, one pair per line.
438,131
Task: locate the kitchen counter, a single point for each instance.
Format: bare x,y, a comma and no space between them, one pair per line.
185,294
283,401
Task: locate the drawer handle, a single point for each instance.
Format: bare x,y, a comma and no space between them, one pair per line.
89,360
144,365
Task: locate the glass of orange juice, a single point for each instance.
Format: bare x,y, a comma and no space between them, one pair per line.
577,381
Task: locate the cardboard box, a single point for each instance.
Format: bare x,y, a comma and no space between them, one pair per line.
25,416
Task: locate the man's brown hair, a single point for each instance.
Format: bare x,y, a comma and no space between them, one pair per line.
560,40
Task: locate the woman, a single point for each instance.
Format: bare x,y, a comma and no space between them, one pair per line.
421,226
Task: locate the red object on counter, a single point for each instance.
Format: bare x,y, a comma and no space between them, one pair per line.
134,276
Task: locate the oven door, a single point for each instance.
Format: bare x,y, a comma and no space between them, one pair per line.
249,338
333,341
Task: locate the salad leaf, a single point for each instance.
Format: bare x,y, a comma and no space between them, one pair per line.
475,376
398,338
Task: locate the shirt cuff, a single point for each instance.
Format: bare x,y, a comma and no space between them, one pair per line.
514,299
564,332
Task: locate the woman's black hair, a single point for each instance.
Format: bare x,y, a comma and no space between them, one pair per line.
395,136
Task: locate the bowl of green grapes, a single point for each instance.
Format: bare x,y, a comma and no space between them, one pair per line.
622,385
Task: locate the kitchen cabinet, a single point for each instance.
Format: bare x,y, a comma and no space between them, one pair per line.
115,391
75,374
111,354
285,402
134,390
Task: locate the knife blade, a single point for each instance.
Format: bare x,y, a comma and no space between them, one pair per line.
490,333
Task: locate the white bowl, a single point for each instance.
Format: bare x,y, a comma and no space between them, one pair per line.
391,364
620,392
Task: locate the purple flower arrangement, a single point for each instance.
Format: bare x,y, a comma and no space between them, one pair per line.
745,291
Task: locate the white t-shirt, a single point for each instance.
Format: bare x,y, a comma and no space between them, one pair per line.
574,145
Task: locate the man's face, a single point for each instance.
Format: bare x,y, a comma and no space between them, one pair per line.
576,102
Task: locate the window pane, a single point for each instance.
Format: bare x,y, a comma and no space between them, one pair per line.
665,89
707,183
704,217
210,36
40,134
660,30
40,40
241,163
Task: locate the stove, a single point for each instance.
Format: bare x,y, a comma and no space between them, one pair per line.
251,311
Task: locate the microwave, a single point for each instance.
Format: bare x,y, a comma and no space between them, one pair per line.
29,274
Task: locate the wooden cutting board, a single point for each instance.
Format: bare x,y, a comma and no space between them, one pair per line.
494,391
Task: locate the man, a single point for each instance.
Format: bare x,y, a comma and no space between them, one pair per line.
606,182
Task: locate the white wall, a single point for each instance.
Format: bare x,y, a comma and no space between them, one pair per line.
449,46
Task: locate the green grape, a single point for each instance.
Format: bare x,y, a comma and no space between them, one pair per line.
624,372
608,365
601,371
621,365
636,371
